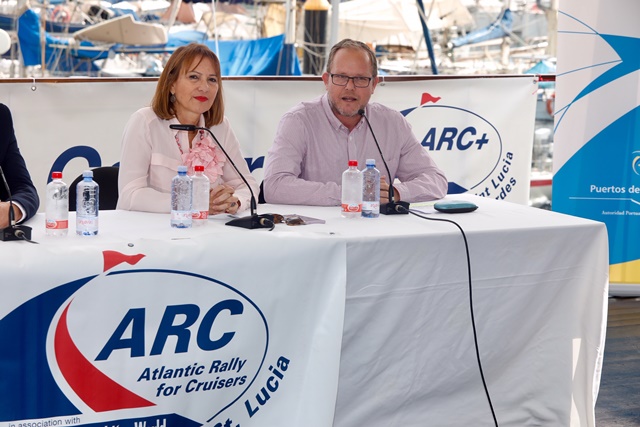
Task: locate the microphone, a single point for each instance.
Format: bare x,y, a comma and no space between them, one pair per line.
252,221
13,231
393,207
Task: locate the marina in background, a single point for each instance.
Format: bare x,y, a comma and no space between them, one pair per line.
87,38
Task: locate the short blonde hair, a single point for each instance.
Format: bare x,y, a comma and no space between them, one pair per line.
353,44
187,56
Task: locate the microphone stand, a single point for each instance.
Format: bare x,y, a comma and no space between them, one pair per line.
392,207
252,221
13,231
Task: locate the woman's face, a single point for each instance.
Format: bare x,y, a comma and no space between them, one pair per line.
195,90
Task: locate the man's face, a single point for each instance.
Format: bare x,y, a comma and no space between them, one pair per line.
345,101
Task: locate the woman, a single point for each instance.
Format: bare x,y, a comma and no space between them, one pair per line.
189,91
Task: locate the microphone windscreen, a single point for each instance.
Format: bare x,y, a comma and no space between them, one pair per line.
183,127
361,112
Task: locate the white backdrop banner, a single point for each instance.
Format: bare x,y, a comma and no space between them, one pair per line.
176,336
479,130
597,138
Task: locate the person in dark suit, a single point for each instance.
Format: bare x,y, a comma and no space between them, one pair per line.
23,193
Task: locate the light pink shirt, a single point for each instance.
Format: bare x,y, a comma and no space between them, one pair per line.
151,156
312,148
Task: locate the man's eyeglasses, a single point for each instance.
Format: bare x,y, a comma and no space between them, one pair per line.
342,80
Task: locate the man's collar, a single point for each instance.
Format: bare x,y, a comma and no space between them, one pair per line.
335,121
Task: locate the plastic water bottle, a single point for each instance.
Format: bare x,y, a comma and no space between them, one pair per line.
181,199
57,206
371,190
87,205
352,191
201,187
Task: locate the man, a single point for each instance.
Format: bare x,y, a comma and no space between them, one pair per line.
23,193
316,139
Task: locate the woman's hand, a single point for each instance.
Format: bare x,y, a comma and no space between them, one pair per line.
222,200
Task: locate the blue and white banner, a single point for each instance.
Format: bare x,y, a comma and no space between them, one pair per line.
483,147
597,136
163,338
479,131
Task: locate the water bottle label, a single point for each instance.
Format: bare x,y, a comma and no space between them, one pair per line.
87,223
180,215
200,214
352,207
86,226
371,207
57,225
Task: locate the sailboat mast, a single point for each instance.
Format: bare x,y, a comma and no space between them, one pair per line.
427,37
335,16
552,29
290,19
43,36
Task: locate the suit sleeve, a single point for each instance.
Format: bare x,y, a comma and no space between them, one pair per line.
15,168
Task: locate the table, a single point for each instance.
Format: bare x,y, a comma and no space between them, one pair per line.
383,304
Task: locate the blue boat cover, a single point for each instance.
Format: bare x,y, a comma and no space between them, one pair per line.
499,28
262,57
55,48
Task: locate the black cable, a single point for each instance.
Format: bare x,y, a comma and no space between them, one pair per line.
473,321
268,223
22,236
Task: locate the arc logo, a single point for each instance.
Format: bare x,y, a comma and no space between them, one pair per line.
157,339
466,145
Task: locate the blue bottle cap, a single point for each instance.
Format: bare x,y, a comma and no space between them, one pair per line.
182,168
371,162
87,174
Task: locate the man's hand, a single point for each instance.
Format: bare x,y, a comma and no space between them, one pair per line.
384,191
4,214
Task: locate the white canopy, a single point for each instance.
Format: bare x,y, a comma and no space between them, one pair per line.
379,21
125,30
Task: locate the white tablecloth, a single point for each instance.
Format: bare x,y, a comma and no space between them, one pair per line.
539,294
